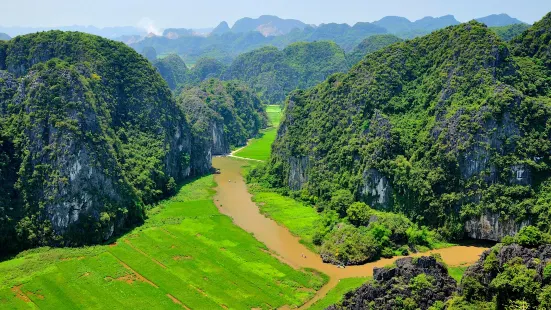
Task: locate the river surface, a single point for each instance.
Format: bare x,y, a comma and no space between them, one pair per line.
234,200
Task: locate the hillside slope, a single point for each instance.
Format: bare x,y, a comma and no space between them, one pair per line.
272,73
93,133
449,129
173,70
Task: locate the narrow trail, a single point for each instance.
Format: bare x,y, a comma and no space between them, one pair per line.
233,199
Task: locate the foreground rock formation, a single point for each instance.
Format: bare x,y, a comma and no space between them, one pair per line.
412,283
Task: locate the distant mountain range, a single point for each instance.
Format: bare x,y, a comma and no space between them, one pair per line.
224,43
499,20
268,25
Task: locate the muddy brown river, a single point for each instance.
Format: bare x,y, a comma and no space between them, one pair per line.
234,200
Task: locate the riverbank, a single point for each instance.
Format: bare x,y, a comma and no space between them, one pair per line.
233,199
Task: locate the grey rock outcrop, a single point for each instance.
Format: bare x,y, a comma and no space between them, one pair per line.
393,285
490,226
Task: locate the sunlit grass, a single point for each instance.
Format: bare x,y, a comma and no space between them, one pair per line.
186,254
335,294
260,148
299,218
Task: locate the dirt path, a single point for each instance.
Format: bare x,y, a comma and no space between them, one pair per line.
234,200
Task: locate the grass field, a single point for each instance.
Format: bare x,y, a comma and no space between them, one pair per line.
297,217
187,255
335,294
274,114
457,272
260,148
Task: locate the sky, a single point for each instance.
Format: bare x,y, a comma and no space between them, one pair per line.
208,13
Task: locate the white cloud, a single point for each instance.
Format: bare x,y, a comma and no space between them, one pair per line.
149,26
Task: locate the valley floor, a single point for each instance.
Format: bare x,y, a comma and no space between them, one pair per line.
187,255
234,200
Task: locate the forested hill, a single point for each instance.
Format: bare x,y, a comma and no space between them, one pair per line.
273,73
89,133
370,45
4,37
451,129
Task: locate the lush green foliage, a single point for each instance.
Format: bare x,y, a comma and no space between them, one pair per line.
205,68
241,112
370,45
173,69
443,128
186,255
372,234
529,237
507,33
512,274
272,73
94,131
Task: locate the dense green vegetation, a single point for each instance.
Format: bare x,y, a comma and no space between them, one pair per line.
205,68
512,275
449,129
363,234
270,72
178,76
273,73
336,293
94,133
260,148
173,69
186,255
507,33
228,113
370,45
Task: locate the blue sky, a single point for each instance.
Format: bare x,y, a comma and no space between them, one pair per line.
208,13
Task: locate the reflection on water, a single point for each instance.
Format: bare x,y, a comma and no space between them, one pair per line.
234,200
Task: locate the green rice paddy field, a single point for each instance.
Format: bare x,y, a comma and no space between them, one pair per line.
187,255
260,148
299,218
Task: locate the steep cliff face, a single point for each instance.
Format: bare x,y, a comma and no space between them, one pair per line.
450,129
97,133
222,115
